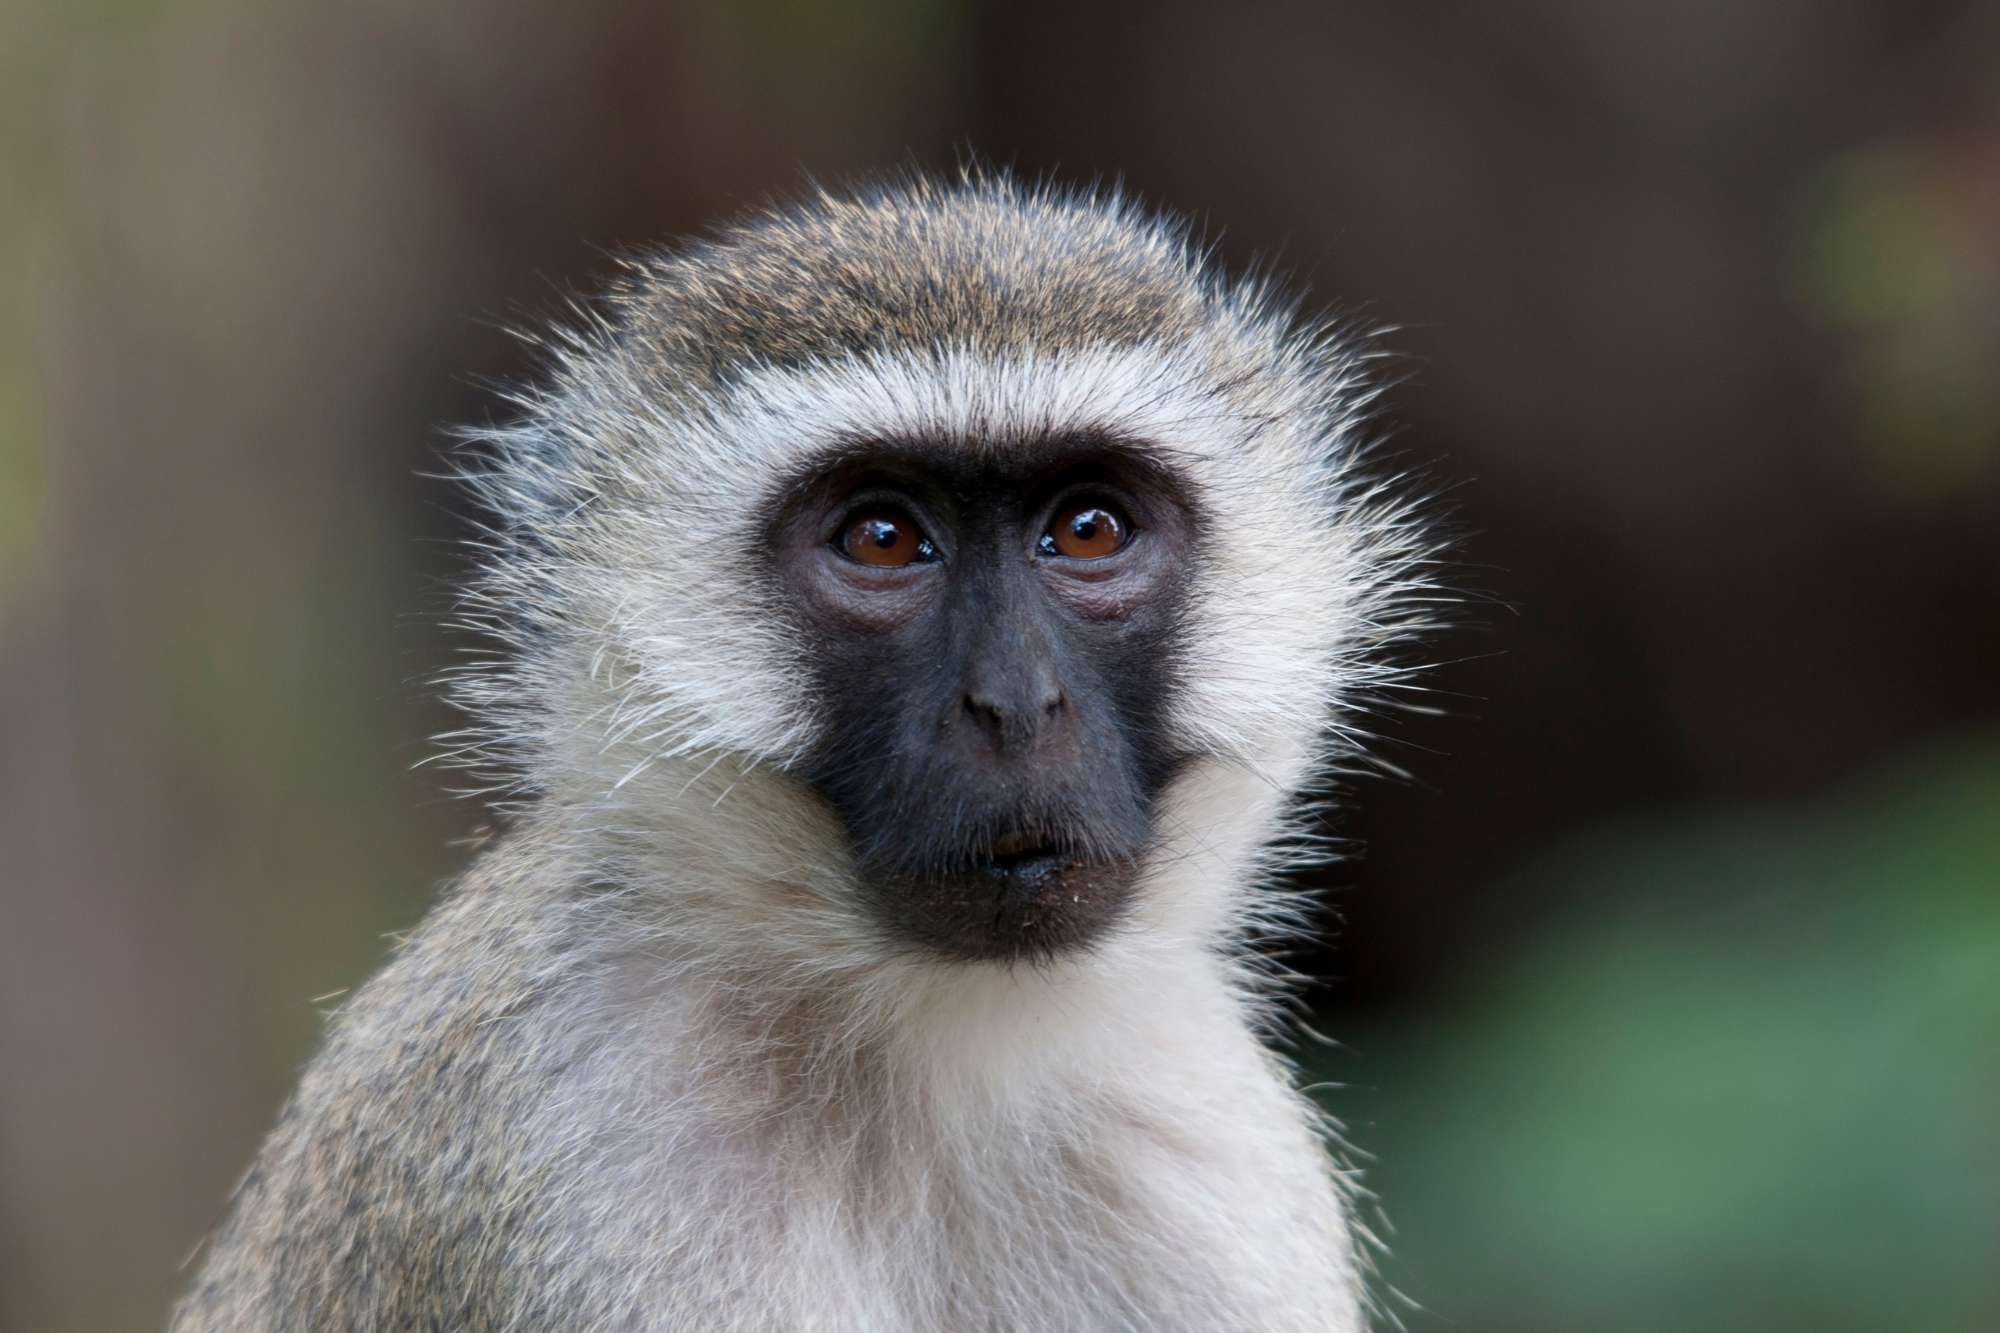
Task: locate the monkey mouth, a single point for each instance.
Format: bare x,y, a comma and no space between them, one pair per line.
1012,852
1027,893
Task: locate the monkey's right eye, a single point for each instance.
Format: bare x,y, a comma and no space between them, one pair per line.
887,538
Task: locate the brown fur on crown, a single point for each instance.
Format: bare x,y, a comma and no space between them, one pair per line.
987,265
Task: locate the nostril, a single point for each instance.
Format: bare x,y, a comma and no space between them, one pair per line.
985,713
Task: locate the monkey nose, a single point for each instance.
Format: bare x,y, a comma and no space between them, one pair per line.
1018,717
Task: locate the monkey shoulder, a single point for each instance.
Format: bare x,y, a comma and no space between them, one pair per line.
410,1167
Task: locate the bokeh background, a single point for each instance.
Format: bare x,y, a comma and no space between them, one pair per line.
1666,990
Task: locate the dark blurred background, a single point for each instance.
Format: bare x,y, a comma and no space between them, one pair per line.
1668,988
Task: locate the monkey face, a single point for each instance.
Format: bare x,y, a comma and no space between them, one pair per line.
990,635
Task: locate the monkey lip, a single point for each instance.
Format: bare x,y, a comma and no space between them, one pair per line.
1012,850
1023,895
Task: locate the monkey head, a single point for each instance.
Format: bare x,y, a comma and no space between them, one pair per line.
992,522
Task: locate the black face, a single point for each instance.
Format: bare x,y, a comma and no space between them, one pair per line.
992,640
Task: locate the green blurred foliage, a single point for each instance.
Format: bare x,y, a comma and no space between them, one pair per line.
1748,1079
1901,256
1899,251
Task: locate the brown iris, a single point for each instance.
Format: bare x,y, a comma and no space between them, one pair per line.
884,537
1086,532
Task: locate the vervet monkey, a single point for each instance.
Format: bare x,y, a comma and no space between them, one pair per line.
922,609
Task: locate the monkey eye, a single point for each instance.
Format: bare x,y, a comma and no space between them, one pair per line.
1085,532
886,538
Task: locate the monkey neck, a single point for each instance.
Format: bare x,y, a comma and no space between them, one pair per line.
868,1069
817,1033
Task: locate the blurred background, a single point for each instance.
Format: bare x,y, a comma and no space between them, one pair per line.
1667,991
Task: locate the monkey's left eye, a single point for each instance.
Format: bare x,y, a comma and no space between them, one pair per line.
1085,532
886,538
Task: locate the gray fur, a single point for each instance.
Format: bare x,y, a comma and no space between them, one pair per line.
646,1066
